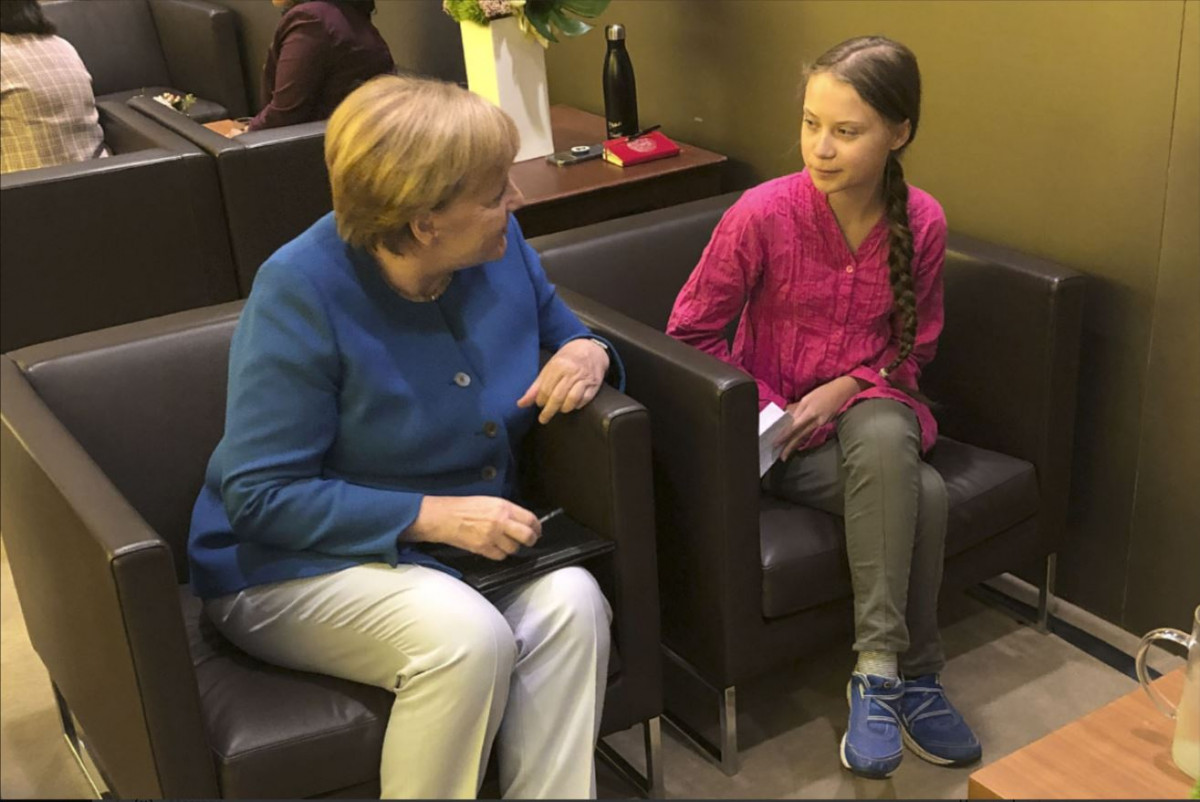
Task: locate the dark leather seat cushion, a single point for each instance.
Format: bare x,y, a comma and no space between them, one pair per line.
202,111
281,733
277,733
804,550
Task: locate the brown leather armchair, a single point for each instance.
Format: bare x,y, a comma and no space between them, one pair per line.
749,582
139,47
274,182
113,240
104,443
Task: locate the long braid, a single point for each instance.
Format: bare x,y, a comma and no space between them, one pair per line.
900,254
885,75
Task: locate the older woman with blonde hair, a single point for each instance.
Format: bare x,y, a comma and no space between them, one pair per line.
381,377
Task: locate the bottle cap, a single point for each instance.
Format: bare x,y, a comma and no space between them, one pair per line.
614,32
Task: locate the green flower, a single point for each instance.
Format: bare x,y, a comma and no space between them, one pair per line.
465,11
541,19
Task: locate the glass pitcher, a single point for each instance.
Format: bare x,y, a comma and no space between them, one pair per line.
1185,749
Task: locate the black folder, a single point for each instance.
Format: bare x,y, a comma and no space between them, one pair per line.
563,542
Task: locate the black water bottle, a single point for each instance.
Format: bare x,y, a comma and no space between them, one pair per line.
620,90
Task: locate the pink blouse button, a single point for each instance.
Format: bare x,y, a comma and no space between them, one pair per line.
849,268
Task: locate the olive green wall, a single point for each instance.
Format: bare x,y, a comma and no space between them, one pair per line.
421,37
1164,581
1058,127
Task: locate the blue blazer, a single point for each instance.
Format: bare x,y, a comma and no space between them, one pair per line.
347,404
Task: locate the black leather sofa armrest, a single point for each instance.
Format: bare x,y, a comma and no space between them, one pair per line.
704,417
595,464
287,162
177,124
283,136
1006,371
149,225
278,162
635,264
98,591
200,43
90,170
126,131
133,141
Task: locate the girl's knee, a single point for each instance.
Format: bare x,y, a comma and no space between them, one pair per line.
933,488
879,432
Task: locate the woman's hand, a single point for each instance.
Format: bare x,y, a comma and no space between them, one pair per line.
569,380
485,525
816,409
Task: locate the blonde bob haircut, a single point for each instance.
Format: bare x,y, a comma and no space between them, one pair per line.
399,147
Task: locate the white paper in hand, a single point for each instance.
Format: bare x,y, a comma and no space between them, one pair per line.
772,422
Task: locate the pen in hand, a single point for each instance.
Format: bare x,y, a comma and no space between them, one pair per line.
552,514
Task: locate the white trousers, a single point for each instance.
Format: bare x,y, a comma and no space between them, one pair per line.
530,670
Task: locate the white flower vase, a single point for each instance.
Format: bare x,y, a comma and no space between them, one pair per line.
508,67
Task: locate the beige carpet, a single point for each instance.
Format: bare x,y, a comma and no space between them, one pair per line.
1013,684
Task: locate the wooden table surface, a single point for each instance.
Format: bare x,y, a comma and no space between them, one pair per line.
1121,751
541,181
558,197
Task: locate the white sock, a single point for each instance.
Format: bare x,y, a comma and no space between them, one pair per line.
881,664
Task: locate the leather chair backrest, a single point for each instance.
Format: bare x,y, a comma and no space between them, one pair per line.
149,411
637,264
117,40
200,42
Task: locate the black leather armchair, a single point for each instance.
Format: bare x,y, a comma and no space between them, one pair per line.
274,182
134,47
749,582
104,442
113,240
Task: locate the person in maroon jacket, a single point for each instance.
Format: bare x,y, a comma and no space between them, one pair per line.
323,49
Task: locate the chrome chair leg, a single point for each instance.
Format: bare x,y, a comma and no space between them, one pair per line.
729,739
652,743
1046,594
724,754
79,749
649,784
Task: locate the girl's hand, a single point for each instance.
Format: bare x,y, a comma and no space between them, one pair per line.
485,525
569,380
815,410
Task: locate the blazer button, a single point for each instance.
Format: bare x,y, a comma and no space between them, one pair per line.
491,428
488,473
462,379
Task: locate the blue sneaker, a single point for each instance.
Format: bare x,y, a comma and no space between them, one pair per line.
871,746
932,727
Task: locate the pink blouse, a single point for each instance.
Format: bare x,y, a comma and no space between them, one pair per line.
813,311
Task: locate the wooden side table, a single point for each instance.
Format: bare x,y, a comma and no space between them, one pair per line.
558,198
1121,751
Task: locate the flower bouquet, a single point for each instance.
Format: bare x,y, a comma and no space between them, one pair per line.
537,18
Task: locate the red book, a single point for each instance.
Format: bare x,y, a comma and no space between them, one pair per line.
623,152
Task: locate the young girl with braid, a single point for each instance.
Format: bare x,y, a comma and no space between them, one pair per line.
836,272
